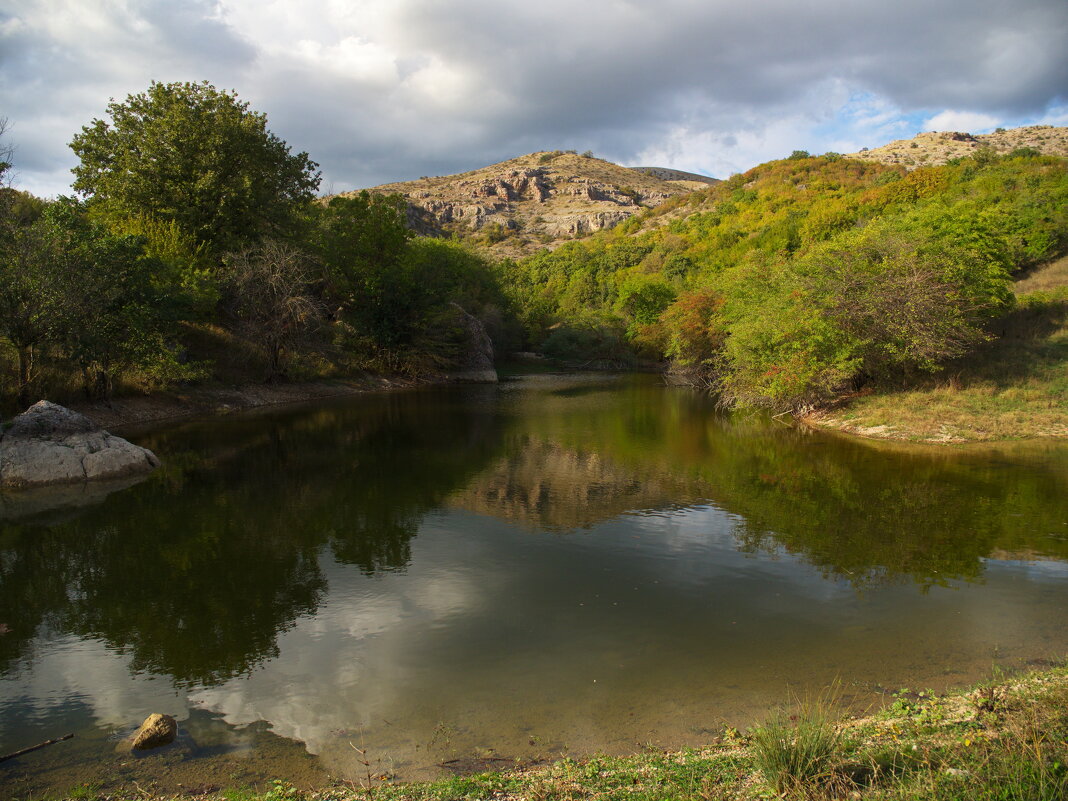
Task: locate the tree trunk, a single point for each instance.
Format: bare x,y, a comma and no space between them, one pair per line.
25,374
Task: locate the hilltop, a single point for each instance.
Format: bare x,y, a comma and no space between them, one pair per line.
690,180
537,200
933,148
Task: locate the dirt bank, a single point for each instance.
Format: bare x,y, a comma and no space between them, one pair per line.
205,400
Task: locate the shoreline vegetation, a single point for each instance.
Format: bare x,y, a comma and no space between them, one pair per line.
1004,738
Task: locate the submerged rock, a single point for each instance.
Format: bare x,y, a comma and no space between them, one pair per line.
157,730
49,444
54,503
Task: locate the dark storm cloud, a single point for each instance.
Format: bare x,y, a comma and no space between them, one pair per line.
379,90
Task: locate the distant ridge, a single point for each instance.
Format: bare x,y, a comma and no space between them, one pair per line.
934,147
668,174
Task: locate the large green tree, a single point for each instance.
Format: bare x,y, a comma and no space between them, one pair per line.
189,153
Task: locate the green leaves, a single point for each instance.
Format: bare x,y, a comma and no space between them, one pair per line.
188,153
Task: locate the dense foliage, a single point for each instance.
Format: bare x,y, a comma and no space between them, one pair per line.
188,153
199,251
808,276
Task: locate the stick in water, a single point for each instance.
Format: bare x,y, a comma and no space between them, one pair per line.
46,743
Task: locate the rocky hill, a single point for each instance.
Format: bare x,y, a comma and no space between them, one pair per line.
537,200
932,148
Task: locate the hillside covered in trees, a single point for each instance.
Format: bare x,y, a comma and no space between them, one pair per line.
805,278
196,250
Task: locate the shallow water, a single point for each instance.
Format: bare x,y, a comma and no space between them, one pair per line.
555,565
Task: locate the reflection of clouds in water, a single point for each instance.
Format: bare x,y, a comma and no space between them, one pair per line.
692,528
328,677
400,646
1033,569
697,545
95,675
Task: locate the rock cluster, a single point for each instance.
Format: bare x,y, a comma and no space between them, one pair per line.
938,147
49,444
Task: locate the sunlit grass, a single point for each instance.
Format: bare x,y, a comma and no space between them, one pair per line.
1014,387
801,754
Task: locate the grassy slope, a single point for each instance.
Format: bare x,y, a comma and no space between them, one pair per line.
1015,387
1005,739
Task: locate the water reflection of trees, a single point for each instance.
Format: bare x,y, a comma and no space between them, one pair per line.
195,573
867,514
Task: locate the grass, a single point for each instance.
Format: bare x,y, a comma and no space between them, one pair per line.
800,754
1005,740
1013,387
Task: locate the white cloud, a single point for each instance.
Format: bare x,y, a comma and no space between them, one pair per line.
967,121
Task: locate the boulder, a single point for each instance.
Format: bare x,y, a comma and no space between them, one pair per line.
49,444
157,730
476,364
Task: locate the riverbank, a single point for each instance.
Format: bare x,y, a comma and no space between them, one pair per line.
1006,738
132,410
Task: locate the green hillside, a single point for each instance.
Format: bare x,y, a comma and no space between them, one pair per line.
806,278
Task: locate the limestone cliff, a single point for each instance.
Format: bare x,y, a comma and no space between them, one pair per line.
534,201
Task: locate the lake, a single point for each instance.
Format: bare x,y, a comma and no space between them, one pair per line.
464,577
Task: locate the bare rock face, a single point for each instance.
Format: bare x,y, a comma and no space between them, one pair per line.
49,444
533,201
476,366
157,730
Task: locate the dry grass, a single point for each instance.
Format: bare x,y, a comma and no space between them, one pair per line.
1015,387
1048,278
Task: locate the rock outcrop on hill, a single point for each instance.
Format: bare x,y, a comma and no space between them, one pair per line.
534,201
49,444
932,148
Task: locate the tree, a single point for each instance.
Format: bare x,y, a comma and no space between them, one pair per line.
6,152
200,157
273,301
110,314
29,275
360,241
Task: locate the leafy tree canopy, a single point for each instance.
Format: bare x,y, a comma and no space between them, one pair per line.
197,156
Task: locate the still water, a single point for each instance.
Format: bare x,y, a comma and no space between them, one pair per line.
471,576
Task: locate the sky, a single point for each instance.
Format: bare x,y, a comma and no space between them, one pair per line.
388,90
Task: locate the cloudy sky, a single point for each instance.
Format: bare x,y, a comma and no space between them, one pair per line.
382,90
